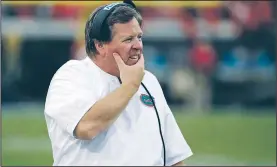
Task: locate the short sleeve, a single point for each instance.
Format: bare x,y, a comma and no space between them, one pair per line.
69,98
177,149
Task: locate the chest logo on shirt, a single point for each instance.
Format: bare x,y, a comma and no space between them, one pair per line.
145,99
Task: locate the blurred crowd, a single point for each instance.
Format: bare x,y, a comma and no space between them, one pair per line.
199,54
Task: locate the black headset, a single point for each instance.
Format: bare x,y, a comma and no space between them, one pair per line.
98,21
102,14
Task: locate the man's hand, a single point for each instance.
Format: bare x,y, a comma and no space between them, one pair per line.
130,75
105,111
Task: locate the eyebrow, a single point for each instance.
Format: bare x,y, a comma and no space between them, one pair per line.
128,36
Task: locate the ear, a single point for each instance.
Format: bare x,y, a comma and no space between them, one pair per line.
100,47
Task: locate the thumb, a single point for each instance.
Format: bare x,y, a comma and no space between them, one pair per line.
118,60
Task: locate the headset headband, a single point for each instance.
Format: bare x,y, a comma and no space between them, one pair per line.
102,15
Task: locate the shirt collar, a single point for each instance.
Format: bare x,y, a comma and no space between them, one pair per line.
105,74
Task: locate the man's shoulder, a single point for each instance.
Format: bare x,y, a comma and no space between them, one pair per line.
71,65
150,77
72,72
71,68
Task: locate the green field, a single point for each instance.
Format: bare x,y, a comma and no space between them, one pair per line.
216,139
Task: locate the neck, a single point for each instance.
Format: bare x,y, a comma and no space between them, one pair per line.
103,66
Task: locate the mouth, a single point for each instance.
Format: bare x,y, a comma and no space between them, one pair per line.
134,57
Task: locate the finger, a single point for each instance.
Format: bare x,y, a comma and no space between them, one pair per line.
118,60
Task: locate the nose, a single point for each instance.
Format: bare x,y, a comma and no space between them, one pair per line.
138,44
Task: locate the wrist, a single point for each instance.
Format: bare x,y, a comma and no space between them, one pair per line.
133,88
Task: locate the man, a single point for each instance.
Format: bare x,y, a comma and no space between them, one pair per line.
97,111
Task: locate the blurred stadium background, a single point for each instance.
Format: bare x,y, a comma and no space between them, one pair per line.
215,60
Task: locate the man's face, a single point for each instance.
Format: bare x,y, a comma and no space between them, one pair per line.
126,42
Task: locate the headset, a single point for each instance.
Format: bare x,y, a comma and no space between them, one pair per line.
97,25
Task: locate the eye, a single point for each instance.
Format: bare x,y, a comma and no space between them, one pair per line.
140,37
128,40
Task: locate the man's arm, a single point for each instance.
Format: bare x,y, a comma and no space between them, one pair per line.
105,111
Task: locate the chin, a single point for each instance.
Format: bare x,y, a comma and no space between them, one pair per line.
132,63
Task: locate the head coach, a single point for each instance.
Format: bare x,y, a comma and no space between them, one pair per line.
107,109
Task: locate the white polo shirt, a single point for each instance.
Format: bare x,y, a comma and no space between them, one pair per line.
133,139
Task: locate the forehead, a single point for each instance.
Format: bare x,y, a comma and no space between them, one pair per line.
126,29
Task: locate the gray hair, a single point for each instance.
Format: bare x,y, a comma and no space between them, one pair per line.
121,14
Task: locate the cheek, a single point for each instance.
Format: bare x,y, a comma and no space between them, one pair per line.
109,51
124,51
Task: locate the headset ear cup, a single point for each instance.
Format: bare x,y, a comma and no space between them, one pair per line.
130,2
